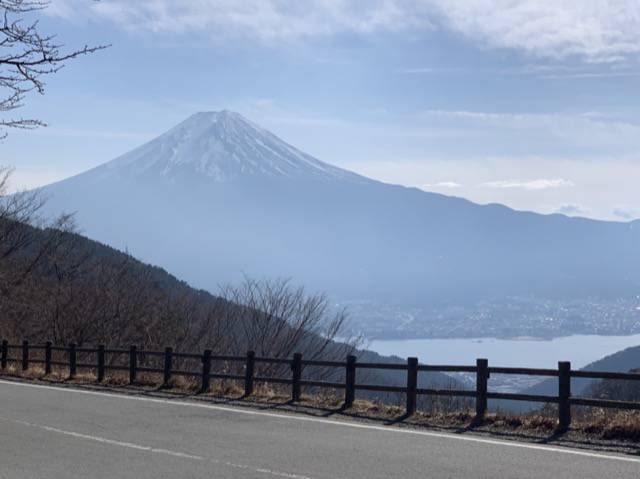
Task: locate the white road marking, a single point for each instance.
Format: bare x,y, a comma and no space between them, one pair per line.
103,440
156,450
294,417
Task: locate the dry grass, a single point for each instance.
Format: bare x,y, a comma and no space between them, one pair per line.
592,423
610,424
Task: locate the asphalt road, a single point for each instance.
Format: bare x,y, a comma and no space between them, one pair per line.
61,433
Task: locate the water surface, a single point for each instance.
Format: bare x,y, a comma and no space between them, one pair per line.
523,352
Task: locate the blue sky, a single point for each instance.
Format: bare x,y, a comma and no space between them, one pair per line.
529,103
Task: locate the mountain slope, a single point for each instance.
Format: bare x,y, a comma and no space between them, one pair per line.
217,197
621,362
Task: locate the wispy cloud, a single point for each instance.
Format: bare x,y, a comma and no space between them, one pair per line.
543,70
596,31
264,19
526,119
626,212
432,70
530,185
590,133
572,209
441,185
591,75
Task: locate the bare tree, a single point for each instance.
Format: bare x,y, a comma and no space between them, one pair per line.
25,237
27,56
276,319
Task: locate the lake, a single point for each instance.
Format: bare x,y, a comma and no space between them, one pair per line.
516,352
524,352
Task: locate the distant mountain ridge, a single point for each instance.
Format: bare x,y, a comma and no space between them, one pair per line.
620,362
217,197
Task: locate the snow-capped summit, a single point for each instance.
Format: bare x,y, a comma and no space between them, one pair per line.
222,146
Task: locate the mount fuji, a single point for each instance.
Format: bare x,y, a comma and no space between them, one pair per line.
217,197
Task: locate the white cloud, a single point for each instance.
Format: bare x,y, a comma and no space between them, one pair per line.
442,184
594,30
594,132
433,70
600,187
572,209
265,19
546,71
626,212
524,119
531,185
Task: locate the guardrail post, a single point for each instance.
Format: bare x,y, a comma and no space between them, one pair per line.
350,381
168,365
73,361
482,377
3,354
25,355
564,394
133,364
296,367
412,385
100,363
206,371
249,372
47,358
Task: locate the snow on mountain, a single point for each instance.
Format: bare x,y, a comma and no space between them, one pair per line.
222,146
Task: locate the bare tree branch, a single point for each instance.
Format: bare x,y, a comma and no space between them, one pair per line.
27,56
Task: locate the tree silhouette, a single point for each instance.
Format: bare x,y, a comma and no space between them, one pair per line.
27,56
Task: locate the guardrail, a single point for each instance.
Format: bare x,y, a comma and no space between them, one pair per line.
482,370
